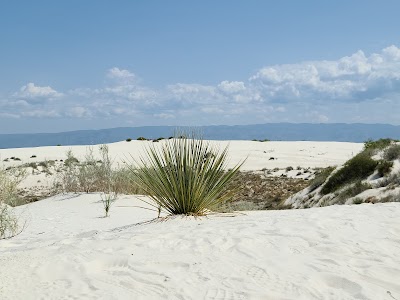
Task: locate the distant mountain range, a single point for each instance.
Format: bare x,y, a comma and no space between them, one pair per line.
271,131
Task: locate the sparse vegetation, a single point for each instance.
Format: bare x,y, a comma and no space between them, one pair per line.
128,139
254,191
392,153
9,181
359,167
71,159
378,144
352,190
384,167
141,138
320,178
108,199
92,175
182,178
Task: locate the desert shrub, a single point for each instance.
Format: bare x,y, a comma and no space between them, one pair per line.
392,153
357,201
391,180
93,175
183,178
288,169
391,198
320,178
141,138
71,159
9,181
359,167
353,190
378,144
128,139
384,167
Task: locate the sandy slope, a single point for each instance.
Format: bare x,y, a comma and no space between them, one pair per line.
68,251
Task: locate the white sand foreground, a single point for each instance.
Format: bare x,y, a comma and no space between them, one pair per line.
68,251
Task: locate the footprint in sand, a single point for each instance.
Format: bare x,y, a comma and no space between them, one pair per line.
222,294
270,281
120,273
342,283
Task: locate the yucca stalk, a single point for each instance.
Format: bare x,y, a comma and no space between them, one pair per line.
185,176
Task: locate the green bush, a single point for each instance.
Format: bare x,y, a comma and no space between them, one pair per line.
353,190
320,178
128,139
378,144
141,138
359,167
186,176
392,153
384,167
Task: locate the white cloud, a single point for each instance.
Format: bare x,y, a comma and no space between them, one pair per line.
231,87
40,113
349,78
121,75
31,92
274,93
77,112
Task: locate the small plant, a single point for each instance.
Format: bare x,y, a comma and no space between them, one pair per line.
9,181
43,164
384,167
141,138
392,153
128,139
320,178
353,190
32,165
288,169
359,167
357,201
108,199
58,145
71,159
33,156
182,178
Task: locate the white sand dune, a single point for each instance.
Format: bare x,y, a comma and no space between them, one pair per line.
258,154
68,251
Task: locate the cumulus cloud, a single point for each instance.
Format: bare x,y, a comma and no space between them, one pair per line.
357,77
32,92
231,87
121,75
308,91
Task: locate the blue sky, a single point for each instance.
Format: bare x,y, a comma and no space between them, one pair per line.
67,65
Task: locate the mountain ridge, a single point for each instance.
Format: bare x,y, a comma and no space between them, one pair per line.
341,132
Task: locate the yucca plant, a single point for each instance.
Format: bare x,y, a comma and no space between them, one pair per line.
185,176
